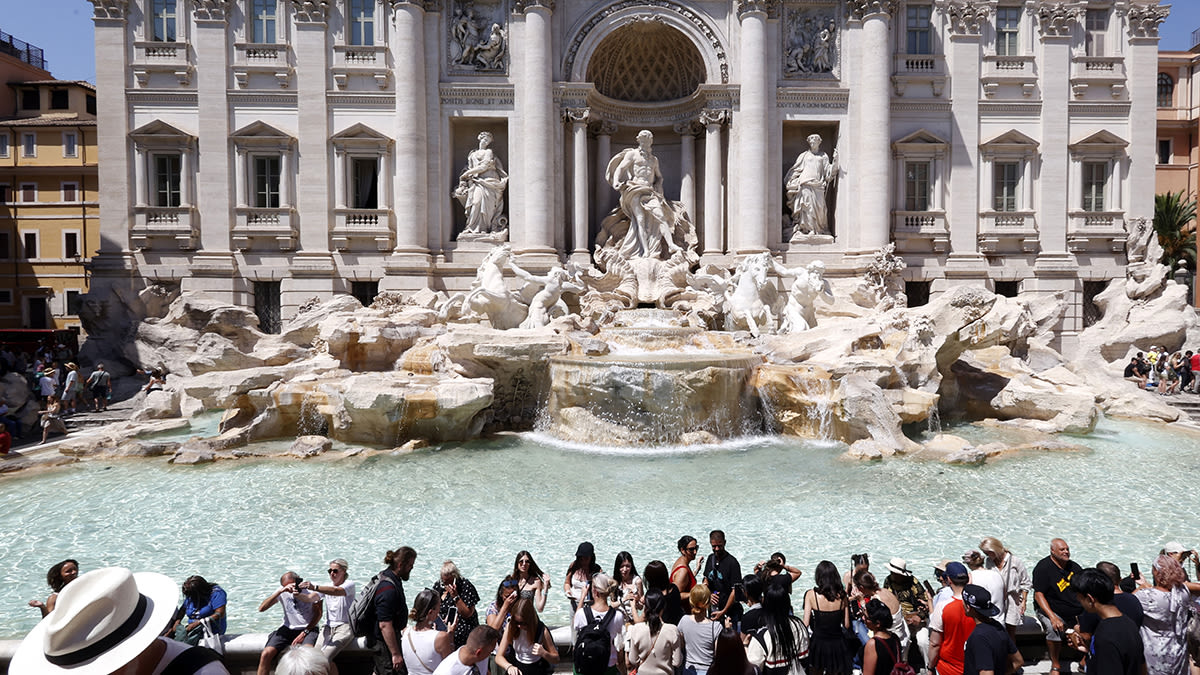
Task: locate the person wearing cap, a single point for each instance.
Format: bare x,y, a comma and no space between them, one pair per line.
989,649
944,593
949,626
914,602
579,575
1116,646
45,385
301,613
1182,553
990,579
338,596
1057,606
110,620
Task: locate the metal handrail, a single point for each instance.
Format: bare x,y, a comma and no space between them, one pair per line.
33,55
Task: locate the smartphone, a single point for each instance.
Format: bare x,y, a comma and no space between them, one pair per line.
451,615
928,588
1133,571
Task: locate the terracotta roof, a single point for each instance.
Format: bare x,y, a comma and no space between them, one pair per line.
47,122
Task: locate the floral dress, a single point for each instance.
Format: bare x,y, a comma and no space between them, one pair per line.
1166,615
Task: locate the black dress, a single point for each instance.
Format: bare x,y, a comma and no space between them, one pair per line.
883,654
826,647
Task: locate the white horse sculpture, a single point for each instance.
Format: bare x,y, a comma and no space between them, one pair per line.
749,297
488,296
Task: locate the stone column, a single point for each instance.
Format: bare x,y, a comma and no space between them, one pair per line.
578,118
875,124
966,21
185,176
534,105
339,179
751,123
240,188
604,192
140,182
410,181
1057,23
213,267
687,161
1141,75
714,207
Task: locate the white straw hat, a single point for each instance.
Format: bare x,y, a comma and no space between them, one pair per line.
101,621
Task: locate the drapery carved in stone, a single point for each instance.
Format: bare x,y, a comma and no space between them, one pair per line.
1145,19
646,61
966,18
311,11
1056,19
211,10
861,9
478,40
810,43
110,9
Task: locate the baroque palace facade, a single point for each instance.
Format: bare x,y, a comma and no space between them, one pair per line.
269,151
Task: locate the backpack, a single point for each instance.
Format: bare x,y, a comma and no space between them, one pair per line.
593,645
900,667
362,611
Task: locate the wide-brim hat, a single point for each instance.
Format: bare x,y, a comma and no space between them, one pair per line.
101,621
899,566
979,600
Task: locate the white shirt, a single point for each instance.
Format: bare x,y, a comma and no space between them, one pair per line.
337,607
420,654
994,583
453,666
297,614
614,629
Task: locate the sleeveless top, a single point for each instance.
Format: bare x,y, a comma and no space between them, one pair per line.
691,583
884,652
420,655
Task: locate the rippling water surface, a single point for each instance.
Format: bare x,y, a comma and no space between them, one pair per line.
243,523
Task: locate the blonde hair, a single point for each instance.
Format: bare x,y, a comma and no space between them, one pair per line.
602,584
992,545
449,568
700,597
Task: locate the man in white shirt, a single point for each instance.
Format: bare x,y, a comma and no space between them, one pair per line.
338,596
464,660
301,613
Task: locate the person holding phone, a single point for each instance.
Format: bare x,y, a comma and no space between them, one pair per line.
459,597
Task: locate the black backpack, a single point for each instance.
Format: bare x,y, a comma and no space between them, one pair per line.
362,610
593,644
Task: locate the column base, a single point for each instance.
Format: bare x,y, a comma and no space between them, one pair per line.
581,257
114,263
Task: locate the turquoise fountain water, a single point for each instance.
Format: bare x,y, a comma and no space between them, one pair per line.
243,523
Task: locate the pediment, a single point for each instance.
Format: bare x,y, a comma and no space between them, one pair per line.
1103,137
921,137
359,132
261,131
1010,138
160,131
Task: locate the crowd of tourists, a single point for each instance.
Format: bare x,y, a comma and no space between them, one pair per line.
54,388
1167,374
699,616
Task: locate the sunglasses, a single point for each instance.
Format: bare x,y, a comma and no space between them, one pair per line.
692,549
333,570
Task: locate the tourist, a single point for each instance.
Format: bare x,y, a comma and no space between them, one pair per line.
827,613
699,633
579,575
111,621
782,642
1194,362
526,646
301,613
655,578
681,572
721,573
1057,607
629,585
655,647
945,592
1128,603
989,578
391,611
499,611
777,565
203,605
858,562
949,626
52,420
100,384
71,388
423,645
1182,554
989,649
458,594
869,587
1168,384
304,660
60,574
532,582
1017,582
597,614
882,650
338,596
1135,372
729,655
752,586
915,602
1115,647
9,420
465,660
1165,605
46,386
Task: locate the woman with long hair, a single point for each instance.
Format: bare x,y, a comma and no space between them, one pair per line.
60,574
526,647
1017,582
629,585
423,645
579,575
1165,618
655,578
682,574
532,582
699,633
500,611
870,588
827,613
655,647
883,649
729,655
783,642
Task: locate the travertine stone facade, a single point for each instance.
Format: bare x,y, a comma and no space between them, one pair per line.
319,141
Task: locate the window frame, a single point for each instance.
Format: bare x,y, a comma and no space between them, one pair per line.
6,293
912,197
999,183
354,24
1166,91
911,31
1094,192
1008,41
56,92
270,24
6,194
169,17
5,144
27,186
78,244
28,150
70,150
263,192
67,292
36,93
6,247
173,189
1170,148
74,185
1091,45
24,241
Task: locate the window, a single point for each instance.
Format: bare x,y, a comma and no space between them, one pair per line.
5,246
1008,289
364,291
262,15
917,292
1008,23
70,144
1166,91
90,104
5,297
5,194
916,186
1095,177
3,145
1091,310
29,145
1164,151
29,192
167,180
162,18
29,242
266,182
366,183
70,244
1095,31
60,99
74,302
70,192
1006,180
918,29
267,305
362,22
31,99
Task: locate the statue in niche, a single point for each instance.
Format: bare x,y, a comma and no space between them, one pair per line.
806,183
812,47
645,224
481,191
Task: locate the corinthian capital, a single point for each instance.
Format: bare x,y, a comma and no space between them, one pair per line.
522,6
1057,19
861,9
1145,19
109,9
576,115
714,116
966,18
768,7
311,11
210,10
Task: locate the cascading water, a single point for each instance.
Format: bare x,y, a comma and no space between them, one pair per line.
312,421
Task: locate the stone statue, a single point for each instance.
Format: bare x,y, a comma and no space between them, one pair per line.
547,303
645,224
481,190
465,30
489,53
809,283
488,297
811,46
806,183
749,296
1141,242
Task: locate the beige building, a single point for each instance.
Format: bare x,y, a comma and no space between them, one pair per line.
49,213
1178,148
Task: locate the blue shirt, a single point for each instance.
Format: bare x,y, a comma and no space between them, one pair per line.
215,602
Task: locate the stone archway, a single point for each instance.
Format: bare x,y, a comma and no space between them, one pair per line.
646,61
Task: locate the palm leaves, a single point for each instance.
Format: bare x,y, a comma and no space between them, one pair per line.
1173,216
